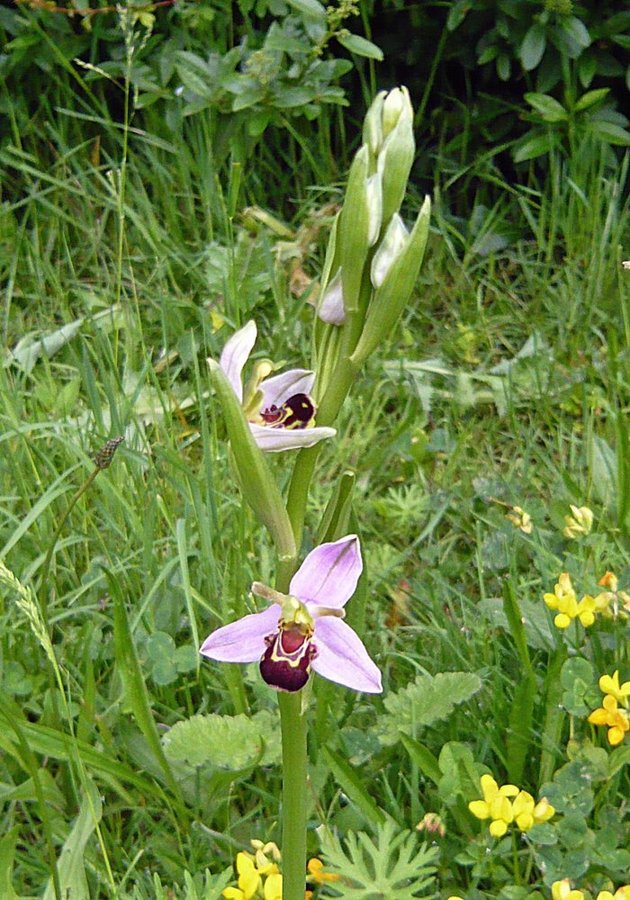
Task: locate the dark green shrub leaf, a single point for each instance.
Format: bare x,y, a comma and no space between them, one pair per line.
533,46
547,106
360,45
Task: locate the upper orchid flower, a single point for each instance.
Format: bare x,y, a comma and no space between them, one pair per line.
280,410
304,629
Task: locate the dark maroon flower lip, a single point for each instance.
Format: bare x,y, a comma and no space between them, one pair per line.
286,663
297,411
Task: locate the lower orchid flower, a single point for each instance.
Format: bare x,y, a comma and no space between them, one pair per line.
304,629
280,411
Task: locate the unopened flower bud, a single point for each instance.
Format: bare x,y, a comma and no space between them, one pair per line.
373,124
393,242
391,297
374,190
578,524
331,309
394,105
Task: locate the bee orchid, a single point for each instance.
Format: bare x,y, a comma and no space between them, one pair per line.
304,629
279,408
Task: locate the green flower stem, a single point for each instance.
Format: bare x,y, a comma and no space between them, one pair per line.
293,725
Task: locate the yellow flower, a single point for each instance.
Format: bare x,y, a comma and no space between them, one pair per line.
622,893
610,685
317,874
617,720
528,813
495,805
561,890
578,524
565,601
273,887
520,519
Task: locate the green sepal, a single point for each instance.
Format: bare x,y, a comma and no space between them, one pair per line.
256,482
354,229
393,295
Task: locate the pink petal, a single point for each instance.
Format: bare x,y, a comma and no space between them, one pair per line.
342,658
278,388
272,440
235,355
244,640
329,574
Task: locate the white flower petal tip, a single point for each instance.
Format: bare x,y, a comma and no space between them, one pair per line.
236,353
274,440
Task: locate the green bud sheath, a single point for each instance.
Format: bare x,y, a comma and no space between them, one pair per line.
394,164
255,479
393,295
354,230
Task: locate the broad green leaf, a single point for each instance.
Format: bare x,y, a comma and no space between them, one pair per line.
536,144
248,97
610,133
547,106
291,97
196,74
504,67
573,35
460,773
427,700
361,46
533,46
71,866
312,9
457,13
227,742
591,98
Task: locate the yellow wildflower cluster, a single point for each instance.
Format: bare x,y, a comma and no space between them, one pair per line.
562,890
614,709
613,602
564,599
259,875
520,519
579,523
498,805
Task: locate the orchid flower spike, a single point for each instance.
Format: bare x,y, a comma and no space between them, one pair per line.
304,630
280,411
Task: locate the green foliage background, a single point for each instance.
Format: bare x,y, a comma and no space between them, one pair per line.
170,173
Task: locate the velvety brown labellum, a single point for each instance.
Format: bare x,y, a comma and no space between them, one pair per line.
286,663
296,412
